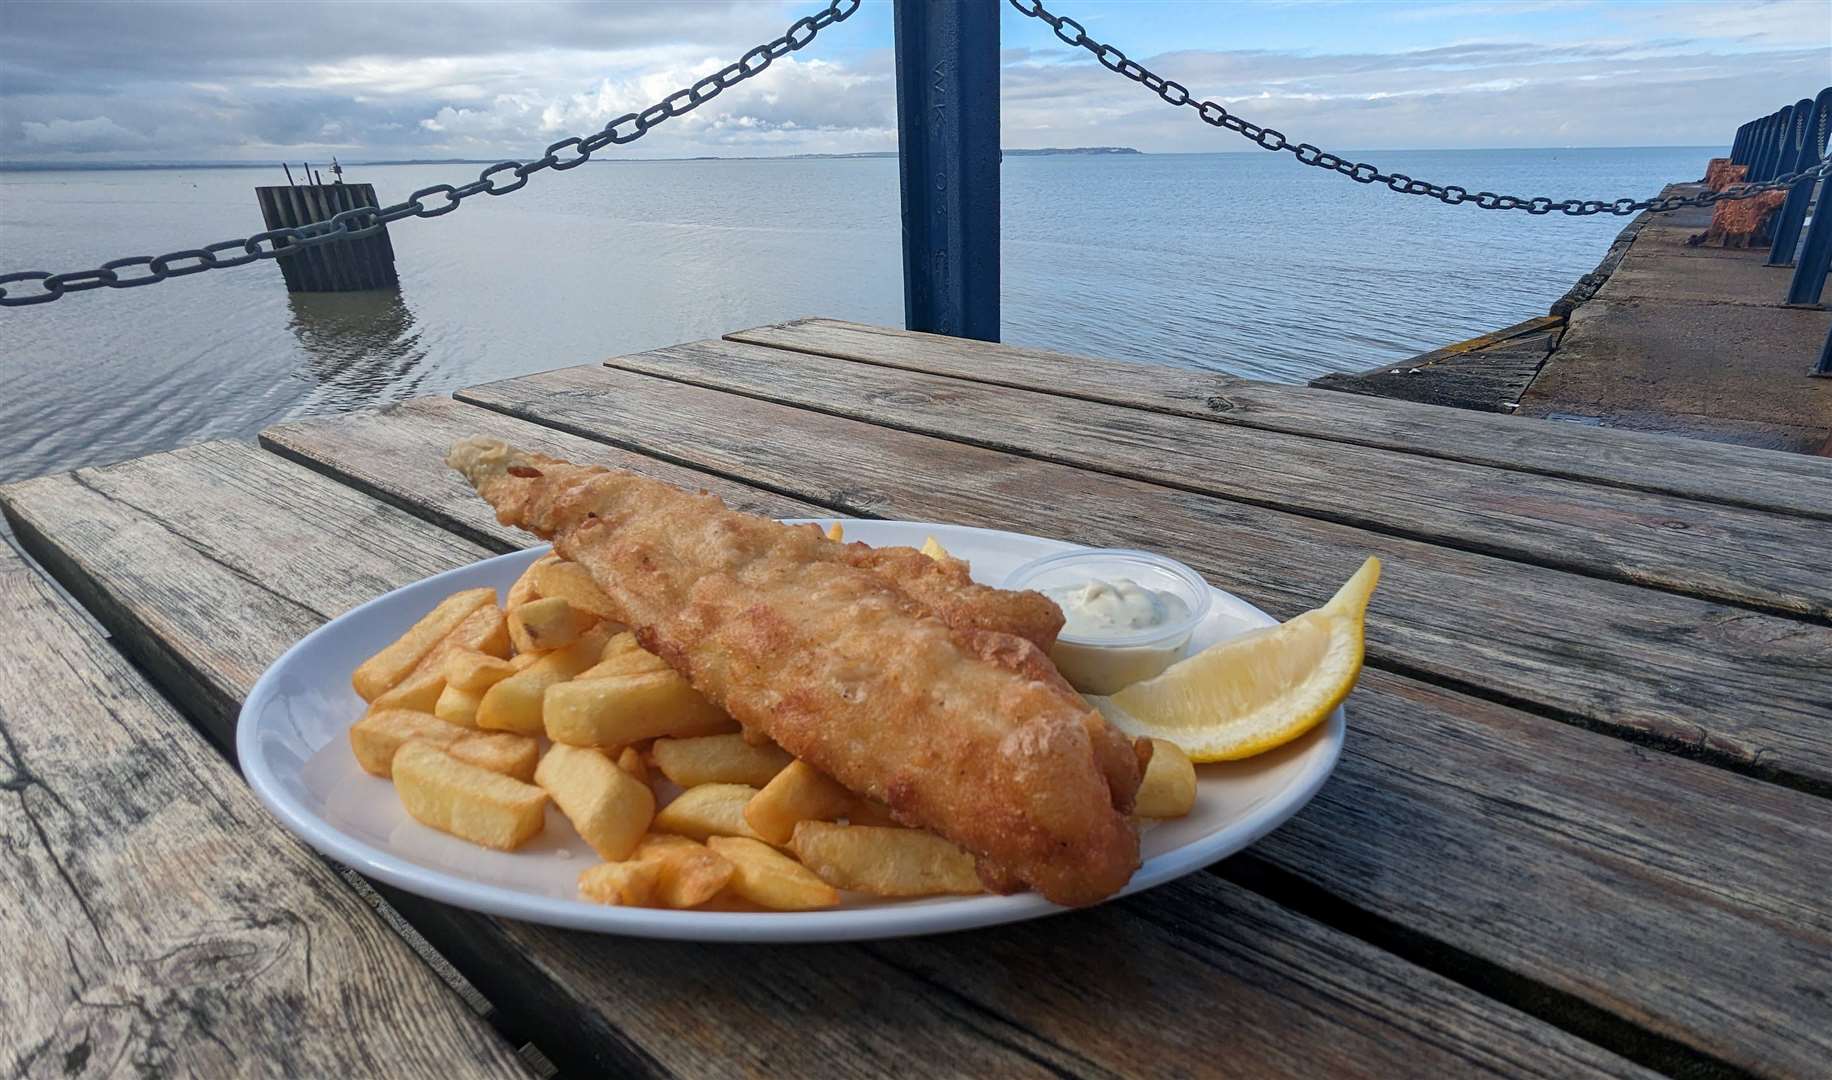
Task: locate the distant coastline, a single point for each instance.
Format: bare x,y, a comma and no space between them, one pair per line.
119,166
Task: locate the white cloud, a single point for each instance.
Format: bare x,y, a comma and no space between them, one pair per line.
495,80
808,97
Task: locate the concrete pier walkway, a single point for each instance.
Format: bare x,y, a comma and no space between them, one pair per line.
1691,341
1661,337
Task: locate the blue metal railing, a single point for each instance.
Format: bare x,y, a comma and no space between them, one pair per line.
1806,142
1815,258
1786,141
948,165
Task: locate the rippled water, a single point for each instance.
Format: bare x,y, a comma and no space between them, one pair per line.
1245,263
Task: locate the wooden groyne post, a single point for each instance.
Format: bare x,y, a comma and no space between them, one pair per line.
340,266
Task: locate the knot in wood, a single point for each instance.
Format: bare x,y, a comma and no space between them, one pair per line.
858,498
1217,403
902,397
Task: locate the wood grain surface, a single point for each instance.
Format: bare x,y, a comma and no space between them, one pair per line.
135,551
397,454
1744,688
1560,836
1749,557
154,920
1685,896
1716,472
1108,991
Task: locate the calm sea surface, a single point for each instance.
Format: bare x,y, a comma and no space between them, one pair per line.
1243,263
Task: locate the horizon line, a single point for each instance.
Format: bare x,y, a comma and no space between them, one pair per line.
1102,151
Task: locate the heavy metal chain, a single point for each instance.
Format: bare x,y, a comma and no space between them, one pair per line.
367,220
1111,58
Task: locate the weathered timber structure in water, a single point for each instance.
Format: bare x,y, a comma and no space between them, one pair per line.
364,262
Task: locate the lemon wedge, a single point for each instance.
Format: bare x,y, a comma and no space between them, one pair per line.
1257,691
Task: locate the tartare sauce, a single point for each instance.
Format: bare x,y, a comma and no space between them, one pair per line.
1098,608
1127,615
1111,621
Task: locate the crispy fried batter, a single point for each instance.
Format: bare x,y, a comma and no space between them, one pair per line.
954,727
945,589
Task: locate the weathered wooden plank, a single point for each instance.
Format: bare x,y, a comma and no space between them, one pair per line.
1649,886
1744,688
1197,973
396,454
154,919
1489,380
1750,557
1283,994
1567,843
131,520
1716,472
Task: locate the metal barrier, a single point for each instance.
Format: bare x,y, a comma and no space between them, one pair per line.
948,165
1808,144
1809,282
1815,258
1774,134
1812,127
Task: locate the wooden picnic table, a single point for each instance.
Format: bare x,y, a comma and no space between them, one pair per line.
1581,825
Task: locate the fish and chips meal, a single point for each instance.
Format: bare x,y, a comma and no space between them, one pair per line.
736,714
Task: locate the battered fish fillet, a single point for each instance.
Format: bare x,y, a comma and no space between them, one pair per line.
965,731
944,587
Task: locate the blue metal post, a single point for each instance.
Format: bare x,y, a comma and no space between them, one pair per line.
1782,148
1765,138
1807,146
1810,272
1758,144
948,162
1824,368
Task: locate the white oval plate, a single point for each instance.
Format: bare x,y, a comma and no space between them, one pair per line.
294,750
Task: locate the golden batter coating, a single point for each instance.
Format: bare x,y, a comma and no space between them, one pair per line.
944,588
958,730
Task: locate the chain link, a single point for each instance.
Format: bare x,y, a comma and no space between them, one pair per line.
1111,58
368,220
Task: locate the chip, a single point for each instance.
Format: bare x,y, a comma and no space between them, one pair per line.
708,810
765,876
884,862
388,667
718,759
610,808
466,801
797,793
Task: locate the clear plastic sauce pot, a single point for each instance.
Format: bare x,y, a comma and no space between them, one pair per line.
1130,613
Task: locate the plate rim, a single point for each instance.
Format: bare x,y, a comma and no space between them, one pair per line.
847,924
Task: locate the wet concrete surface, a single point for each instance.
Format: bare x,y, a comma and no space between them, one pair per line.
1663,336
1691,341
1728,371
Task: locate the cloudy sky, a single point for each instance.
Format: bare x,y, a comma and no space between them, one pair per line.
161,80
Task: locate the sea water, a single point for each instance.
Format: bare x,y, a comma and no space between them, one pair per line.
1246,263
